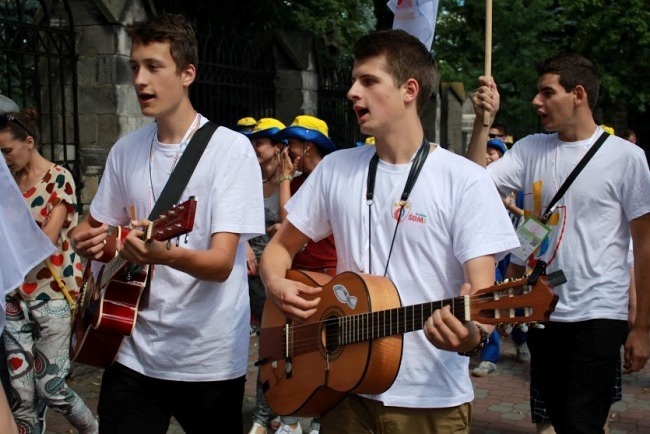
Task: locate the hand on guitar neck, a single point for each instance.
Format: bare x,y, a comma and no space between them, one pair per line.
444,330
139,247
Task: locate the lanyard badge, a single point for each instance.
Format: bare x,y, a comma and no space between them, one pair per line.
531,233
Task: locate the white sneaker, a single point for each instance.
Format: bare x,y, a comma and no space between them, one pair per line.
257,428
314,427
523,354
286,429
483,369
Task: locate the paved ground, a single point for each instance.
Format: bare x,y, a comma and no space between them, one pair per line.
501,405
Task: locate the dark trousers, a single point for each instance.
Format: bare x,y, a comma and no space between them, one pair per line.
575,369
131,403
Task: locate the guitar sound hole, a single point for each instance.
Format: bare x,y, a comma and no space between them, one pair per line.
331,337
329,330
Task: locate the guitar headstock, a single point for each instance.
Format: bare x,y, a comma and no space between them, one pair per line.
516,301
174,222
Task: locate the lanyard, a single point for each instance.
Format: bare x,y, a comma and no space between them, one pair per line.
572,176
418,161
193,126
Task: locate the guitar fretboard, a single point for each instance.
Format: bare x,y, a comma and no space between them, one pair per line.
375,325
110,270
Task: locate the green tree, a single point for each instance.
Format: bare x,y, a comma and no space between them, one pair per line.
336,24
613,34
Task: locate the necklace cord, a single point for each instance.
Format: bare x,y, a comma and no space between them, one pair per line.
416,167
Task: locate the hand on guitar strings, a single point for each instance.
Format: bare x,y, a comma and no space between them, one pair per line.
297,300
90,243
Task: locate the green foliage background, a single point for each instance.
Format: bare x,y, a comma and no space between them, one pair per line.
614,34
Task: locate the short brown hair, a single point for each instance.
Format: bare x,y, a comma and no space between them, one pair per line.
574,70
406,58
174,29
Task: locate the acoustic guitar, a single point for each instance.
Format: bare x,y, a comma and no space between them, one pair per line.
353,343
109,305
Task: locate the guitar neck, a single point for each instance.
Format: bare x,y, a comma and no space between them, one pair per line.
110,270
400,320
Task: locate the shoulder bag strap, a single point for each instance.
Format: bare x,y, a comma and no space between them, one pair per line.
183,171
572,176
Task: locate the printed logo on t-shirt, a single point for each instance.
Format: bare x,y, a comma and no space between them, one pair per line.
407,213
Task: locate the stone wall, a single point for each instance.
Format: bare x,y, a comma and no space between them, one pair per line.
108,108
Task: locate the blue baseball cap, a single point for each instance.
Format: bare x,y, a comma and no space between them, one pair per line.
497,144
310,129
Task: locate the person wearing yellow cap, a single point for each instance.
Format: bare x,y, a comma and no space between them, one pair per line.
246,125
404,209
268,152
308,142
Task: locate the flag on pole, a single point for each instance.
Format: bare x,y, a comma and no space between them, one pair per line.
417,17
24,245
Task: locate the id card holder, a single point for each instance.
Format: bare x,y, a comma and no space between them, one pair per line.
531,233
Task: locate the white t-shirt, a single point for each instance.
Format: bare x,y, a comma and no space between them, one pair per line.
590,229
453,214
188,329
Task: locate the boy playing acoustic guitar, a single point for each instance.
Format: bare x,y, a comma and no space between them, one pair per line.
409,210
188,354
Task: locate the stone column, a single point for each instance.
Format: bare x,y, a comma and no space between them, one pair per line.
296,77
108,108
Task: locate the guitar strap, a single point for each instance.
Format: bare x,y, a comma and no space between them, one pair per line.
183,171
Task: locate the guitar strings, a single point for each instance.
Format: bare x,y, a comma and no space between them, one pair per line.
376,324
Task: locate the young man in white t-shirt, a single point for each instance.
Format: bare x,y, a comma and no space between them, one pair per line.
574,356
441,241
188,354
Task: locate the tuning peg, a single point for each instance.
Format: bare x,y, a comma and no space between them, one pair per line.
169,244
186,238
178,240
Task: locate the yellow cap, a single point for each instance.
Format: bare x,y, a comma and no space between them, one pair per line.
246,122
265,127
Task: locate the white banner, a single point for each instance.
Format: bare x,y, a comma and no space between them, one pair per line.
417,17
23,243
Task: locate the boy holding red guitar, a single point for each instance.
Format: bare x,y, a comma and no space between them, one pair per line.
188,354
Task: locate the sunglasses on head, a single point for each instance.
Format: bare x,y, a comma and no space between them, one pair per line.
6,117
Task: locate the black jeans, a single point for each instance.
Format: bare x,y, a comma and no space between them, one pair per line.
131,403
575,368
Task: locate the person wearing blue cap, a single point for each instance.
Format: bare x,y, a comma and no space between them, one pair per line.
404,209
308,143
495,150
268,153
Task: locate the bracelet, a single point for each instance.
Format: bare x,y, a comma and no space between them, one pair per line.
484,340
284,178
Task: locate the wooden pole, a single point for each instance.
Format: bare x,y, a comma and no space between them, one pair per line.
488,52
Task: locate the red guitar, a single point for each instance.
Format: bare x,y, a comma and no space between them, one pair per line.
353,343
108,307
